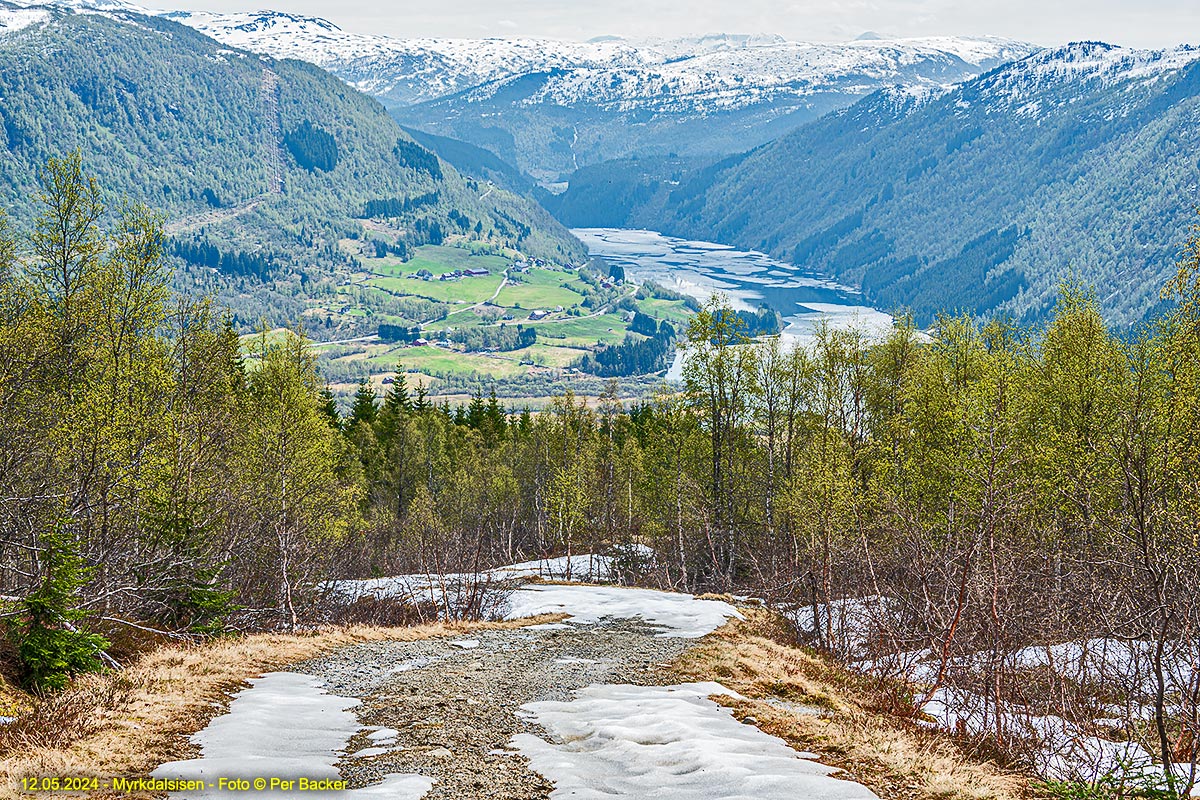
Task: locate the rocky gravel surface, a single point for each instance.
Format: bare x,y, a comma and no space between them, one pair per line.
448,708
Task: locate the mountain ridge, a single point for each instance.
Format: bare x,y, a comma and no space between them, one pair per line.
549,106
1074,163
275,163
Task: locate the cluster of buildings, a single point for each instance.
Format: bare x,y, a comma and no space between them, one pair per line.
542,313
426,275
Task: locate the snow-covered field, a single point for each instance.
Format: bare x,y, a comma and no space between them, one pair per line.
585,604
677,614
668,741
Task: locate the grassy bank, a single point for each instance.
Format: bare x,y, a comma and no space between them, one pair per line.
815,705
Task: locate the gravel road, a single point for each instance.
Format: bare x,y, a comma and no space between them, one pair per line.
448,708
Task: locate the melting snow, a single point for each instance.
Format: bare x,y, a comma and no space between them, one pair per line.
585,567
383,734
285,725
639,741
678,614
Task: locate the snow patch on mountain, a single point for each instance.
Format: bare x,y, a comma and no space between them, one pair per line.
79,6
735,77
18,19
1083,66
714,72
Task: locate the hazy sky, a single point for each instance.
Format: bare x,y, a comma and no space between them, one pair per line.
1148,23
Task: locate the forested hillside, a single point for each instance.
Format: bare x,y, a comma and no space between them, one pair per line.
275,163
934,508
1080,161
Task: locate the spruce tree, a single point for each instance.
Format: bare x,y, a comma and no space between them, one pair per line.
329,408
364,408
495,422
51,645
476,411
398,399
421,404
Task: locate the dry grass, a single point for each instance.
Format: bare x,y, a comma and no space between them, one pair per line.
848,724
128,722
13,701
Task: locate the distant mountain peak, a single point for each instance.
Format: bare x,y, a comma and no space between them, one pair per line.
275,22
1075,65
705,94
77,5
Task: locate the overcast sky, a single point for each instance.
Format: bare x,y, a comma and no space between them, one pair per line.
1144,23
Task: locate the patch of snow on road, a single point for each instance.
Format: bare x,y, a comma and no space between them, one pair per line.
679,615
384,735
632,741
371,751
285,725
393,787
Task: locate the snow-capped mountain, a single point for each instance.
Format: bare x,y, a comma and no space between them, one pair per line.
728,70
1064,74
404,71
18,15
550,106
727,78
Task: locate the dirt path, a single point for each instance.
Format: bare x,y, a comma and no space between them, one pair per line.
455,707
217,215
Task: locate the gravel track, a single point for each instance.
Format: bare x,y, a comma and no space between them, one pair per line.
456,708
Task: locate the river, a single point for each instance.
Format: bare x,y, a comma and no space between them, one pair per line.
748,278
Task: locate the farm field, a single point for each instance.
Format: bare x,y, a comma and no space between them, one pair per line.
466,324
462,290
